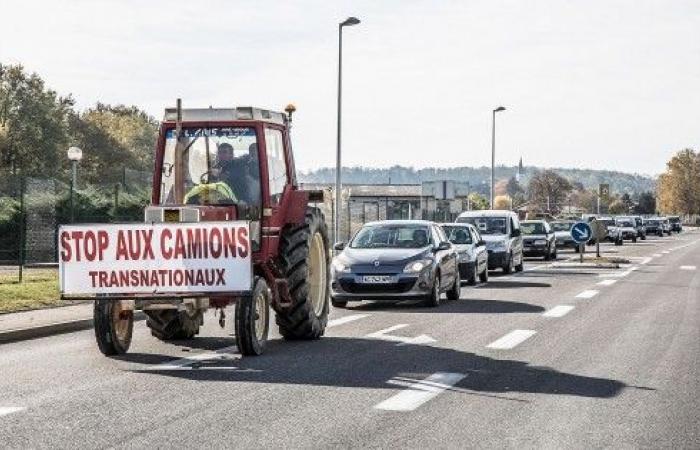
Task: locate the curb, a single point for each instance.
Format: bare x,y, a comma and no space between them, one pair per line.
23,334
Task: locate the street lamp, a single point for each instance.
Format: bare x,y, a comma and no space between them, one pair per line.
350,21
493,149
74,156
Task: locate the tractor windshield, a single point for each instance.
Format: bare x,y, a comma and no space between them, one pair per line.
211,166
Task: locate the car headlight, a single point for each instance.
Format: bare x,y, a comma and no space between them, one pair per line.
340,267
540,242
417,266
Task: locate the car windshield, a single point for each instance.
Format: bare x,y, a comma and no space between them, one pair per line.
457,234
652,222
625,223
486,225
562,226
608,222
532,228
392,236
214,166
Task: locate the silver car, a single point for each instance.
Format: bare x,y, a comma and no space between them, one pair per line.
471,251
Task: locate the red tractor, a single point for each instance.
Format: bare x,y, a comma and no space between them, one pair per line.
221,166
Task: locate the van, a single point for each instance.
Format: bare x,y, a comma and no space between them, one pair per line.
500,229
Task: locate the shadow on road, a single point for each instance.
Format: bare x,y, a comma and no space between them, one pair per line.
369,363
464,306
508,284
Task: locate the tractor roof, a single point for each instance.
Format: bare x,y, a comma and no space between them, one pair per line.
225,114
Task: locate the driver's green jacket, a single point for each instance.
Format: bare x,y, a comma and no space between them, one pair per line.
218,191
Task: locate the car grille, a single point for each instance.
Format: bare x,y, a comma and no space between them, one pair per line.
383,288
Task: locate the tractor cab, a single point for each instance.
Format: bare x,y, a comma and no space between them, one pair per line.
222,164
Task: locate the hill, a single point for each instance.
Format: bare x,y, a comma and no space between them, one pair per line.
478,177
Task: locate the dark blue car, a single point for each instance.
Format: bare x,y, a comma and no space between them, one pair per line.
395,260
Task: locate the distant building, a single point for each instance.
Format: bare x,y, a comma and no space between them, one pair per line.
520,171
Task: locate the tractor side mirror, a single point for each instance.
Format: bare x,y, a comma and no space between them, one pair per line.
339,246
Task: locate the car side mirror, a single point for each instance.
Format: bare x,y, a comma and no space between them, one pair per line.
516,233
443,246
481,242
339,246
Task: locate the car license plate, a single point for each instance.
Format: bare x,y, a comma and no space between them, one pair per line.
377,279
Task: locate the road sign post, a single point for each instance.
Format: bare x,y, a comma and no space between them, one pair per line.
581,233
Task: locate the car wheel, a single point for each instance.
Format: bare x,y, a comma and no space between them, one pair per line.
456,289
433,298
644,237
484,275
554,255
548,254
519,266
471,279
508,267
634,240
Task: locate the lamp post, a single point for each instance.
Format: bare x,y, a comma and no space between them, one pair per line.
74,155
350,21
493,149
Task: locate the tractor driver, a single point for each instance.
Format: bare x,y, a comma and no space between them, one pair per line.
238,173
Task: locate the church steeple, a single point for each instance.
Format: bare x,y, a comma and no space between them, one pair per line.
520,169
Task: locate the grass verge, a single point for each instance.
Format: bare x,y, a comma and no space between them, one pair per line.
38,290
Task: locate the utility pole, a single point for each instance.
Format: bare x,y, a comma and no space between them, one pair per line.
493,150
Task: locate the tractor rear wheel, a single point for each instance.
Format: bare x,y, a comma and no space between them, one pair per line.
170,324
304,261
114,326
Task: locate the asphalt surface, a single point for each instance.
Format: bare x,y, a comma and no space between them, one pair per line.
511,364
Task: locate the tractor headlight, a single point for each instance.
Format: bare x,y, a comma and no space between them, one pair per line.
417,266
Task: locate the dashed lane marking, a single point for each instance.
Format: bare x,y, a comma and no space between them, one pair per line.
420,392
620,274
400,340
558,311
512,339
657,255
344,320
688,267
607,282
665,252
588,294
6,410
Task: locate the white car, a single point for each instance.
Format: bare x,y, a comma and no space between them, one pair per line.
471,251
627,228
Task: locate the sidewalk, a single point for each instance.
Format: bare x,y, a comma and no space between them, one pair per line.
45,322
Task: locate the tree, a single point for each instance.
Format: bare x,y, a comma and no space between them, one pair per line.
513,187
679,186
501,202
646,204
478,201
617,206
548,190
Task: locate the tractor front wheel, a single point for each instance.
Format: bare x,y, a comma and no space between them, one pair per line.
114,326
304,260
253,319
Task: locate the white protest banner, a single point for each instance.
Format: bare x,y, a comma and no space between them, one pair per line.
155,258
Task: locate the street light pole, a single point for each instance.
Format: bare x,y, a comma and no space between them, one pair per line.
74,155
350,21
493,150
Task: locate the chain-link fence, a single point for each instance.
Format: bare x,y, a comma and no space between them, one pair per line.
32,209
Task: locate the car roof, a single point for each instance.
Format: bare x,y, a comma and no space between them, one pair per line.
400,222
533,221
487,213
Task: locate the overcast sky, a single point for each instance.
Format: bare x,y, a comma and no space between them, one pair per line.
602,84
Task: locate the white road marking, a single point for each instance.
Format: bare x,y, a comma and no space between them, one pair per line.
688,267
620,274
512,339
607,282
657,255
190,362
344,320
646,260
5,410
558,311
400,340
420,392
588,294
665,252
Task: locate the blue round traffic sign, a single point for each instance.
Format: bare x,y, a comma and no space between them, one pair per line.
581,232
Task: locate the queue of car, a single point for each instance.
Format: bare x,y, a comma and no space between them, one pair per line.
421,260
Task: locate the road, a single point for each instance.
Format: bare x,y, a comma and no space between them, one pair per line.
551,357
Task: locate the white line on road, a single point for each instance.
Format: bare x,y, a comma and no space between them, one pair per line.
646,260
620,274
191,362
657,255
558,311
588,294
344,320
5,410
512,339
400,340
688,267
607,282
420,392
665,252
